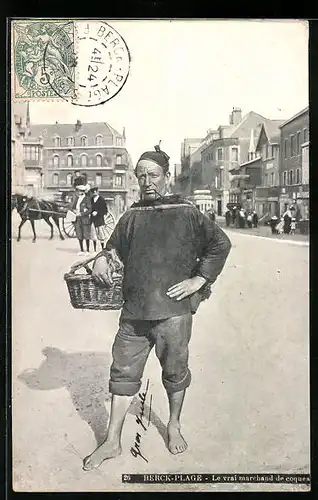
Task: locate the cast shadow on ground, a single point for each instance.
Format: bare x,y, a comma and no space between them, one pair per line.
85,375
74,251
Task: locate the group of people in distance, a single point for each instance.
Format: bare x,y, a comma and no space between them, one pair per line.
89,209
286,224
241,218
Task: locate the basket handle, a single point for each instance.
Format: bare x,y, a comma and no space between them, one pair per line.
83,263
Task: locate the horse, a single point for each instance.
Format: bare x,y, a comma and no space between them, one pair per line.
32,209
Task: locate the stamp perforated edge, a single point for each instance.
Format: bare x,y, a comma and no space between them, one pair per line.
12,66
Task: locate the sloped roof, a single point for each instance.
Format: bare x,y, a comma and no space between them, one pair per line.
303,111
272,131
68,129
244,119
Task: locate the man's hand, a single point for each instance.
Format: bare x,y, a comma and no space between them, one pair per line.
94,213
185,288
102,272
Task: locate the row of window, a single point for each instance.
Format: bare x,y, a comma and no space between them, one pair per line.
31,152
70,141
289,179
118,180
219,154
84,160
268,151
292,145
269,180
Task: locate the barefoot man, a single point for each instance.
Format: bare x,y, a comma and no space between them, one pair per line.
170,252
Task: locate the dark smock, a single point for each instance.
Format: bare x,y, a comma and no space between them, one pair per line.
159,244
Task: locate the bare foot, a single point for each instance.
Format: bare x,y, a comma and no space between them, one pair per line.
103,452
176,442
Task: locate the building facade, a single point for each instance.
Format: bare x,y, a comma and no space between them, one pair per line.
188,147
234,147
294,164
97,151
26,153
17,164
33,165
190,176
218,159
266,194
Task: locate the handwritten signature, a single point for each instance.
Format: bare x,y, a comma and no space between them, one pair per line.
140,419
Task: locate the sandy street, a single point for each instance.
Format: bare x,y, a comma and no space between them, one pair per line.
247,410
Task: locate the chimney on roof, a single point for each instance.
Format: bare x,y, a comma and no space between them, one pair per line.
124,133
235,116
78,125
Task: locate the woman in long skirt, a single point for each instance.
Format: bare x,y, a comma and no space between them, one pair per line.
99,210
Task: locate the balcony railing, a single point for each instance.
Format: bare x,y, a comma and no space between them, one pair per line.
34,164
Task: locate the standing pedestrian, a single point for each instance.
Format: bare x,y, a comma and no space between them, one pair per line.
287,216
249,219
228,217
254,219
234,215
242,218
99,210
82,207
170,250
273,224
293,226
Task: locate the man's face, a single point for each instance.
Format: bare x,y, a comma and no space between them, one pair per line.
152,180
77,174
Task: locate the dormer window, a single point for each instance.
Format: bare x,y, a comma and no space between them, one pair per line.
70,141
57,142
99,140
84,140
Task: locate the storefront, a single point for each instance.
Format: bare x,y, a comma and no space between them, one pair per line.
267,201
297,196
202,199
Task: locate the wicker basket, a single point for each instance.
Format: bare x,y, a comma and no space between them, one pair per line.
85,293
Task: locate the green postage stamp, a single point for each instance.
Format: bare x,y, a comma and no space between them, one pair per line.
44,60
82,62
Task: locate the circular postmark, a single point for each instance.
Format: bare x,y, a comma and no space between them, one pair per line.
102,64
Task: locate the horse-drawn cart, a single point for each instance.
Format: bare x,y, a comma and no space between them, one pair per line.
56,208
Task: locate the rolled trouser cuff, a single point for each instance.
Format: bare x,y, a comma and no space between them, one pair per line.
177,386
124,388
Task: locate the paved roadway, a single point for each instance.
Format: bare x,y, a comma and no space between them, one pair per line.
247,409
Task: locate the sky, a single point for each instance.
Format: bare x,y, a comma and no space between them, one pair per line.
186,76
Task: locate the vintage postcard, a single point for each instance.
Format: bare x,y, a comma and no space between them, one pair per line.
160,255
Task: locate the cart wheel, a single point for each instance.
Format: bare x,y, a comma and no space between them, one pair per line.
109,223
69,228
